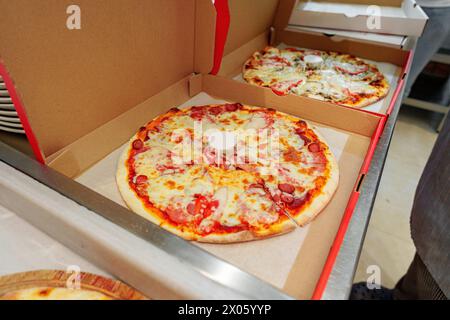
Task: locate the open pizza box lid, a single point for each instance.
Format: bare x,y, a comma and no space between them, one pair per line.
84,92
72,81
396,17
271,27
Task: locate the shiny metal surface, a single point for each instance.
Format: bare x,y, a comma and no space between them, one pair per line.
203,262
341,278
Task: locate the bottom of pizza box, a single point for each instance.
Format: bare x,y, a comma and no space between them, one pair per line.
292,262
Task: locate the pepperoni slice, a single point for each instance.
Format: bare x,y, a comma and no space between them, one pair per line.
352,73
191,208
197,112
177,215
294,50
301,134
215,110
280,60
255,185
138,144
276,198
140,179
286,187
296,202
197,115
283,88
232,107
287,198
299,131
197,108
314,147
302,124
305,139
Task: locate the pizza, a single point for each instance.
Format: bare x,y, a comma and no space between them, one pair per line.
324,75
227,173
64,285
50,293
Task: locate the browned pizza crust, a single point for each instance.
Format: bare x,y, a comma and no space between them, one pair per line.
322,200
53,285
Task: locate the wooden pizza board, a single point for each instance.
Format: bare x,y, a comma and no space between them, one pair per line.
114,289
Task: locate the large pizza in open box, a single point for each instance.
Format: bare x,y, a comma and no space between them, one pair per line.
227,173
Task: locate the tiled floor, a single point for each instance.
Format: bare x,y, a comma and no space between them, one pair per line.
388,241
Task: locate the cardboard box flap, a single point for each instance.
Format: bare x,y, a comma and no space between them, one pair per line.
339,35
399,17
270,13
385,3
73,81
249,18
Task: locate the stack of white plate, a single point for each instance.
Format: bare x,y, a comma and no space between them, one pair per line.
9,121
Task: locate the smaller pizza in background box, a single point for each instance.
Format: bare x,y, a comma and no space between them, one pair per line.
328,76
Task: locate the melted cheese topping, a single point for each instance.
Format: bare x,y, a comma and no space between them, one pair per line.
166,189
315,74
233,193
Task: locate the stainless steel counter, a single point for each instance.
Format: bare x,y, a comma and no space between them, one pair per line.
341,278
24,247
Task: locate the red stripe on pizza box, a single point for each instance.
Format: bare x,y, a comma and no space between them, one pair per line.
401,82
222,27
353,200
21,113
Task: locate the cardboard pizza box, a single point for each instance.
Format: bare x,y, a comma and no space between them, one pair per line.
398,17
81,94
388,40
270,27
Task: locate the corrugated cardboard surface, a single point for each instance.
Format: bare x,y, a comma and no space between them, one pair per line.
72,81
73,158
401,18
248,18
394,3
359,49
336,34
